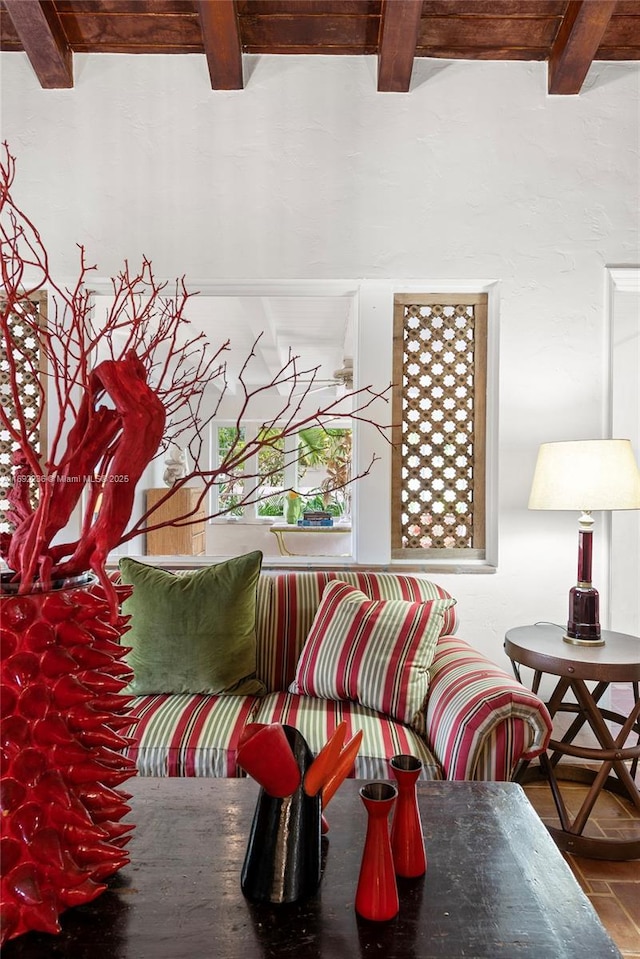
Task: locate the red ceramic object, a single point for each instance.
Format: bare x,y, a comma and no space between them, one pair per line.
377,892
344,766
264,752
407,839
324,765
61,830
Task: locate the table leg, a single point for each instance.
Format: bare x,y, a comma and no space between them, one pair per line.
611,754
279,535
580,719
636,699
563,815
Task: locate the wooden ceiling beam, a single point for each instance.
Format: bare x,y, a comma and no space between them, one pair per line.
40,31
577,42
221,36
399,29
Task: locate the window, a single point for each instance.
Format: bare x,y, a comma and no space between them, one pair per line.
271,467
324,467
439,403
231,490
313,462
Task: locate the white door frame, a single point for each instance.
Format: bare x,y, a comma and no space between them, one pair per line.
623,421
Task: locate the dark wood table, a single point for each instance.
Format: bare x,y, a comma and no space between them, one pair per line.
541,648
496,885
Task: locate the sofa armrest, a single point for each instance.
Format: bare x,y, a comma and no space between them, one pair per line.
480,721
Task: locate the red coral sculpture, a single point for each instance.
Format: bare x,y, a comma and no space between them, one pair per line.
124,387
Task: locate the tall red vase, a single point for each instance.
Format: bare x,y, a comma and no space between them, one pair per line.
61,676
407,838
377,892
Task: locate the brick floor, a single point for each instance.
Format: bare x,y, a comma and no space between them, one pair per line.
612,887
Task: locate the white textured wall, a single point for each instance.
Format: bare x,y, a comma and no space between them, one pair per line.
309,173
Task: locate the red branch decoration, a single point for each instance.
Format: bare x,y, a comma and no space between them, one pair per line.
125,386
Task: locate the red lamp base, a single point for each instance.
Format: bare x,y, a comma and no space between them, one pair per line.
583,628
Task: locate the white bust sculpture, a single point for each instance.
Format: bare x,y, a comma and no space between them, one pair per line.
176,465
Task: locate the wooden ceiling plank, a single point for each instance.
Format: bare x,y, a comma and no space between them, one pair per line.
399,30
310,8
127,32
312,35
42,37
221,36
575,46
512,33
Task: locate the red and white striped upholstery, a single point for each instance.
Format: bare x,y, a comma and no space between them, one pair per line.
295,600
479,722
383,737
188,735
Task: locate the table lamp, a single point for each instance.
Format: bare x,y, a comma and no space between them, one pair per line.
585,475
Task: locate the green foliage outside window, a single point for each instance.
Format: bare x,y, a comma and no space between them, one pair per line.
329,449
325,449
271,470
231,489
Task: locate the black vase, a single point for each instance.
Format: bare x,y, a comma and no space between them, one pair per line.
283,859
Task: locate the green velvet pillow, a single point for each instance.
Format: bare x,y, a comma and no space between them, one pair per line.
195,632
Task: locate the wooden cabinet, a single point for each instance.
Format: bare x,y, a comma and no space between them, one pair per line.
176,540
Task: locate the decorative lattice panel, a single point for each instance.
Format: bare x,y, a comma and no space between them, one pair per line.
24,347
441,407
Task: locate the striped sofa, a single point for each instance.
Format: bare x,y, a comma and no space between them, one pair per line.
479,721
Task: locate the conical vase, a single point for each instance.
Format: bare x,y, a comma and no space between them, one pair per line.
61,677
377,892
407,839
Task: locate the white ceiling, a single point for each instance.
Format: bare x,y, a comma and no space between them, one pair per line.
317,329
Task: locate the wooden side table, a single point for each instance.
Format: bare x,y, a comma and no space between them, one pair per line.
541,648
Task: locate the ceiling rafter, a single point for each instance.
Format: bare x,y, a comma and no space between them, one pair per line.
222,44
42,37
399,29
567,34
575,46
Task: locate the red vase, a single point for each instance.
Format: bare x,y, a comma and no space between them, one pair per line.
407,839
61,676
377,892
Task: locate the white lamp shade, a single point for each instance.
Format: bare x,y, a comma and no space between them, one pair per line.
586,475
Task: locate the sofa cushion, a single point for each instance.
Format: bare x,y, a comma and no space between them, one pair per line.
295,600
195,632
373,652
183,735
317,718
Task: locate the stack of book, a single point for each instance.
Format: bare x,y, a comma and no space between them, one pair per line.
315,517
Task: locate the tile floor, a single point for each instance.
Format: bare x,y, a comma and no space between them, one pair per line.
612,887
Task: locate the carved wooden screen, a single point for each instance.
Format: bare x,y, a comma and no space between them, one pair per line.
438,485
29,386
